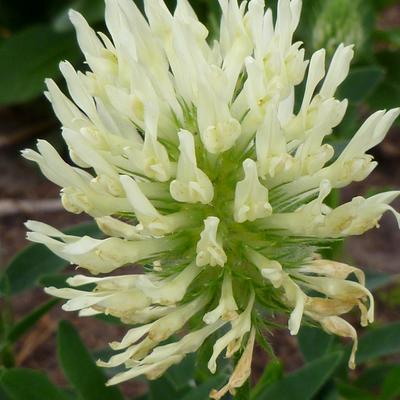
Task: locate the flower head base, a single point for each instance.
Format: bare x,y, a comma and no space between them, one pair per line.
192,159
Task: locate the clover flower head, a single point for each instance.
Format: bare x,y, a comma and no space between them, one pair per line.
195,163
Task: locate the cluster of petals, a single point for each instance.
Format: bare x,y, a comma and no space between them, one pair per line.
195,162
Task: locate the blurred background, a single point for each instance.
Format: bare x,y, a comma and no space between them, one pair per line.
34,38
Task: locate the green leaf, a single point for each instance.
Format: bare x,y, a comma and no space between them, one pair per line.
382,4
304,383
58,281
30,56
376,280
391,385
371,378
388,92
143,397
162,388
181,374
105,354
6,319
346,129
109,319
22,326
390,60
26,384
314,342
6,323
360,83
203,374
13,19
35,261
3,395
80,368
202,392
176,381
386,95
331,393
379,342
92,10
392,36
243,392
272,373
350,392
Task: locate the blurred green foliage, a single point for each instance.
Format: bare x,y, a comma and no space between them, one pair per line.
32,43
34,38
324,376
35,263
